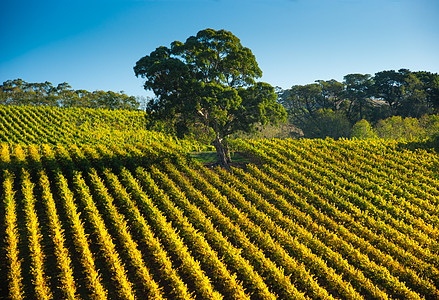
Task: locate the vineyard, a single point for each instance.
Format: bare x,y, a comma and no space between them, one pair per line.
77,125
307,219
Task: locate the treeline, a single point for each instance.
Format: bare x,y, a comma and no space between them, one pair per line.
332,108
19,92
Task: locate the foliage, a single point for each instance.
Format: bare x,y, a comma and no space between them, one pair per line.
19,92
315,219
430,125
282,131
414,99
53,125
408,93
358,89
327,123
399,128
430,83
209,80
388,86
362,96
303,101
362,130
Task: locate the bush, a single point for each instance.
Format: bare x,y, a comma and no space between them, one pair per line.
397,128
362,130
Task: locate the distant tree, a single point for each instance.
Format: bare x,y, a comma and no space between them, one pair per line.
302,102
327,123
430,83
84,99
414,98
408,93
397,128
430,123
362,130
389,87
113,100
362,97
19,92
313,107
209,80
331,93
66,95
13,92
358,90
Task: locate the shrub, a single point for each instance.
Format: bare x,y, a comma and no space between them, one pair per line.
362,130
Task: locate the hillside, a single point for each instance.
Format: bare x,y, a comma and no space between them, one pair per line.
309,219
77,125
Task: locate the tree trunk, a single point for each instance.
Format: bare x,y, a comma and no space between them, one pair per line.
222,152
361,108
227,152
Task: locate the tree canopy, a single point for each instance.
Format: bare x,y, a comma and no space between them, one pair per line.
360,96
210,81
20,92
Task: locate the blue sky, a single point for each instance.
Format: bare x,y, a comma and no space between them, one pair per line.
94,44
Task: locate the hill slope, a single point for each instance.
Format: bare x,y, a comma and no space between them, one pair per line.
78,125
312,219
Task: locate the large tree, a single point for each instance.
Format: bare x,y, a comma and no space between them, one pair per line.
209,80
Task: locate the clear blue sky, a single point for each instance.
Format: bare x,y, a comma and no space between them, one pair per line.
94,44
